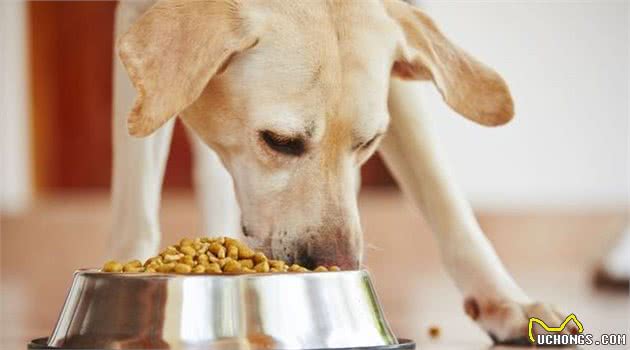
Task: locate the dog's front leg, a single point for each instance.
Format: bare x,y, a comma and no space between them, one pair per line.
138,165
492,297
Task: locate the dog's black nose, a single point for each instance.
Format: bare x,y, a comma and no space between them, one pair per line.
325,250
307,261
313,261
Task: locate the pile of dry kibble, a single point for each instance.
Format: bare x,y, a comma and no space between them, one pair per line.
209,256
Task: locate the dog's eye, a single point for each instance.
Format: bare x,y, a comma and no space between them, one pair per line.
367,144
282,144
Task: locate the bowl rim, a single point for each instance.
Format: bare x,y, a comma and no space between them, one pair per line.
403,344
92,272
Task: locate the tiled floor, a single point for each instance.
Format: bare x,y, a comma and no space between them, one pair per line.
550,254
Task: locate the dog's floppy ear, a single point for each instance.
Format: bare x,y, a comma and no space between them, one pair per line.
472,89
173,51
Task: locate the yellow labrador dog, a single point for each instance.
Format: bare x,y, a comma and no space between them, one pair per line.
292,97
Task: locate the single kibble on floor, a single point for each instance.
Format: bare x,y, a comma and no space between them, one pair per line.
207,255
434,331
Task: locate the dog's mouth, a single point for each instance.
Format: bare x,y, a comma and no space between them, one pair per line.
301,255
309,250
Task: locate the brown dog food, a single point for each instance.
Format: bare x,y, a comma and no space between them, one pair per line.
209,256
434,332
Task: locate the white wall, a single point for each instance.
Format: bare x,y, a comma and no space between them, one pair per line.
567,67
15,157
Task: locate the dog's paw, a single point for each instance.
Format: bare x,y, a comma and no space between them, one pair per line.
507,321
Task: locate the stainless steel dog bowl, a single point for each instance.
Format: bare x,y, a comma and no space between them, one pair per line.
256,311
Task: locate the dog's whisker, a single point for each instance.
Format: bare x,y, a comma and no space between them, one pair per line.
374,247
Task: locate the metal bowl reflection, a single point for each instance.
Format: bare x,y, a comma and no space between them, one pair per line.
254,311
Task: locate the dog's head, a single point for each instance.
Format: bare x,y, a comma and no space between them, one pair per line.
292,95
